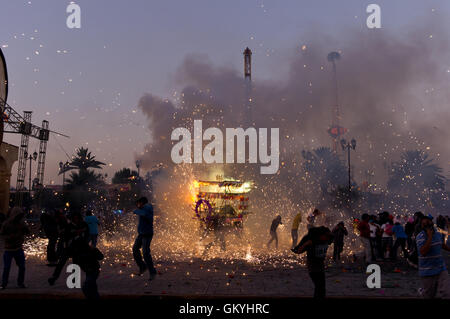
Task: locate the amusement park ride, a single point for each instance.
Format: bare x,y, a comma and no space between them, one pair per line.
12,122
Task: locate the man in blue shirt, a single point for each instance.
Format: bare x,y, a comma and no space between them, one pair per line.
400,240
93,223
144,238
432,268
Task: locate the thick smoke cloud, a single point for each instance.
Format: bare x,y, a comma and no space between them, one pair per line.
392,97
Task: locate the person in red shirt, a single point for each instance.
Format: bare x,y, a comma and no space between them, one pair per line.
364,236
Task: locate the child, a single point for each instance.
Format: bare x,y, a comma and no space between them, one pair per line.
315,243
339,232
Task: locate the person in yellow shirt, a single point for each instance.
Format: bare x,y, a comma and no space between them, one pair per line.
294,231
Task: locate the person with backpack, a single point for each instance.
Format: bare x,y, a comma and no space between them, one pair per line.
144,239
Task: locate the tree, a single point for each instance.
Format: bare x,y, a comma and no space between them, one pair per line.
84,179
415,181
126,199
415,173
83,185
83,161
324,169
124,176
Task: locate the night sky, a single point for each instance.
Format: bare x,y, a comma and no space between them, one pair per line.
87,82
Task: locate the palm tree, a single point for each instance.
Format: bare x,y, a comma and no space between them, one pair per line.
125,175
84,160
82,185
324,168
84,179
415,174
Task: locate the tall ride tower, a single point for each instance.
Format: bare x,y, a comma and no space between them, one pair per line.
335,131
248,85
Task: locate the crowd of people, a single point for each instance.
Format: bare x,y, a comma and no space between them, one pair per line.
74,236
381,236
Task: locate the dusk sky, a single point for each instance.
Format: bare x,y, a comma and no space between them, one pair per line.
87,82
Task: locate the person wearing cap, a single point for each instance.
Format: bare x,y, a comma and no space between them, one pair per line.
432,268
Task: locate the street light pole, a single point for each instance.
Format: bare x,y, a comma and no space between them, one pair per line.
63,167
349,145
138,166
30,158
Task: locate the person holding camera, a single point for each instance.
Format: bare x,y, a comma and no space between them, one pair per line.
432,269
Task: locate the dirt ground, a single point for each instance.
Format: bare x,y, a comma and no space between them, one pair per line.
278,275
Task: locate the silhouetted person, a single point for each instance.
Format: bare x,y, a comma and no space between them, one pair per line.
400,240
364,236
14,230
76,233
87,257
92,223
61,225
375,238
216,225
50,228
409,231
316,243
294,231
144,239
339,232
273,231
432,269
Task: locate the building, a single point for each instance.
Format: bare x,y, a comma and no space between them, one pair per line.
8,155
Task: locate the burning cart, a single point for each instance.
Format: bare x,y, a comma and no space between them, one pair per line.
222,203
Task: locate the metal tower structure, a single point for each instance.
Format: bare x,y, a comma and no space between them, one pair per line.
335,131
248,84
24,129
13,122
43,137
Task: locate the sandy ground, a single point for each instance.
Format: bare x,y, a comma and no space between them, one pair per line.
282,274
